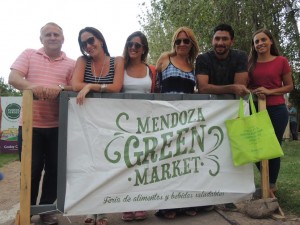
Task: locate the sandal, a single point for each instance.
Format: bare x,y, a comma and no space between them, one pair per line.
101,219
206,208
166,213
90,219
190,212
140,215
127,216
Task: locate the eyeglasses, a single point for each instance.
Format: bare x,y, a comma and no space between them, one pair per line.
185,41
90,41
136,45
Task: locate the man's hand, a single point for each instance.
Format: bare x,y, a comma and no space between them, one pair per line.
46,93
240,90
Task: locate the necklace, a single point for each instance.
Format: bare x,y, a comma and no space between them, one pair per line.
97,79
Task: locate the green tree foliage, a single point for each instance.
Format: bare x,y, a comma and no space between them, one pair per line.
7,90
160,18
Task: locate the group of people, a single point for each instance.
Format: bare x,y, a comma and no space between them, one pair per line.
223,70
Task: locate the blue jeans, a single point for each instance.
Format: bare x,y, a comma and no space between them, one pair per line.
279,116
44,157
293,128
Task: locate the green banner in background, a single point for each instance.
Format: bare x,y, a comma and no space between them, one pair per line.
11,112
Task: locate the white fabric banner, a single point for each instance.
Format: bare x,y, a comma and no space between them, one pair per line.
132,155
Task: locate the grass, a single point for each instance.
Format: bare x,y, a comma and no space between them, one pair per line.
288,182
7,158
289,178
288,193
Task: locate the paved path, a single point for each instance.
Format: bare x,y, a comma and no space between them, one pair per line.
10,196
207,218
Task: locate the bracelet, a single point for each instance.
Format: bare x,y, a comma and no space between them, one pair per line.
103,87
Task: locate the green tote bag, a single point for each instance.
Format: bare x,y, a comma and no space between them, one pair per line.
252,138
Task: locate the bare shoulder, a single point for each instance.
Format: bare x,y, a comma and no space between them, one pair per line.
81,60
163,57
162,61
119,59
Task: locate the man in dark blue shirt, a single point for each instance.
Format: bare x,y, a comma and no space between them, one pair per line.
222,70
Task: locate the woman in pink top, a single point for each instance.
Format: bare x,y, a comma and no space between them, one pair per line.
270,78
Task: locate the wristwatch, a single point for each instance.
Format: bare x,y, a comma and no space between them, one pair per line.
62,87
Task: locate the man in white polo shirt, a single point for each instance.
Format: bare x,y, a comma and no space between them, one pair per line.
46,71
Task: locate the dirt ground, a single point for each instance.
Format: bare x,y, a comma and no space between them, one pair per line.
10,195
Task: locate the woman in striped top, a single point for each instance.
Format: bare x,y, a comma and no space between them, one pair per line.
175,74
96,71
175,69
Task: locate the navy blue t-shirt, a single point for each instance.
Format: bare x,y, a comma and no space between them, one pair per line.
221,72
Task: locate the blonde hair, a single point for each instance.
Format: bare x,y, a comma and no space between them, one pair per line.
195,47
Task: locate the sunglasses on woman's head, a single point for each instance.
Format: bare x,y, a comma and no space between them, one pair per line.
90,41
136,45
185,41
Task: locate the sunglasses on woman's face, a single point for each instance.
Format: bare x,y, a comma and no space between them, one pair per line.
185,41
90,41
136,45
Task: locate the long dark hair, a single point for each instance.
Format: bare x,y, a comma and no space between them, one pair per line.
97,34
144,43
253,54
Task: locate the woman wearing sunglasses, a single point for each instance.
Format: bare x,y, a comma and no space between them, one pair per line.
98,72
139,77
175,74
176,68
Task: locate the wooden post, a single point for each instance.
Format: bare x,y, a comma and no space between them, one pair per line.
23,216
264,164
264,169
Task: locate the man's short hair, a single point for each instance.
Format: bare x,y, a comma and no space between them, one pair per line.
50,23
224,27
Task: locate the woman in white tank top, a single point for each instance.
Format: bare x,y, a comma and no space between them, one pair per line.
139,77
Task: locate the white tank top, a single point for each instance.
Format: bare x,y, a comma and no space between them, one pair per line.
137,85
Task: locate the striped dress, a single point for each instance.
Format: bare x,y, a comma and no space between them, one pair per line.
106,79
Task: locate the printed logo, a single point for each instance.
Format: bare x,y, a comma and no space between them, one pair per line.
12,111
161,139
